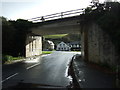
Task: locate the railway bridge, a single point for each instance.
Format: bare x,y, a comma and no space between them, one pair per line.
95,43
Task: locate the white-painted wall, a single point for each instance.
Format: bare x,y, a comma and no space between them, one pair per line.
33,46
63,47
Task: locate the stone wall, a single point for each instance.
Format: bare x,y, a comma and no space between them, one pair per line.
33,45
96,45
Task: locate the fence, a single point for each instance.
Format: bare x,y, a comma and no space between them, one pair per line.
58,15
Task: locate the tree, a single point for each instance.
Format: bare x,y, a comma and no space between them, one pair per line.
8,31
14,36
22,28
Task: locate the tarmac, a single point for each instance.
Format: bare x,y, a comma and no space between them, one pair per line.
91,77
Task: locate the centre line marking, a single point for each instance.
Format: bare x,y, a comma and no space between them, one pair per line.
32,66
9,77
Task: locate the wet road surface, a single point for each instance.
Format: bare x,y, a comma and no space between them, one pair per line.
48,70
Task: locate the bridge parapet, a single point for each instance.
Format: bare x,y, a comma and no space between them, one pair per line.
58,15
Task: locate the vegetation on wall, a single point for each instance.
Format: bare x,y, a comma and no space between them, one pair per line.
107,15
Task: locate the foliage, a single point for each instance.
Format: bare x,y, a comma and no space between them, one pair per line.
8,31
22,28
107,15
46,52
9,58
63,37
110,22
72,37
14,36
55,36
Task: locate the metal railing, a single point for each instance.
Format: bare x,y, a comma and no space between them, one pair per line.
58,15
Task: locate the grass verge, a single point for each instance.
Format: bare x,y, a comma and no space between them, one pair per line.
46,52
55,36
9,58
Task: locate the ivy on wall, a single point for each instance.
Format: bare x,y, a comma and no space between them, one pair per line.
107,16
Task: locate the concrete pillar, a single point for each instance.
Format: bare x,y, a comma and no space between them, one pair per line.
84,42
97,46
33,45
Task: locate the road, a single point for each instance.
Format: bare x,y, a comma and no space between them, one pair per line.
46,70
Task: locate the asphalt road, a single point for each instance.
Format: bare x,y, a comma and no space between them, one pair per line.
45,70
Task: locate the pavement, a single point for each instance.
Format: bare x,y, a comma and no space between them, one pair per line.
90,77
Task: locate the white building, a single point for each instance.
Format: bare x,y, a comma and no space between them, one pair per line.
51,44
63,47
75,46
48,45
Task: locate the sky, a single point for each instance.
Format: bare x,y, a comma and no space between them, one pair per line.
26,9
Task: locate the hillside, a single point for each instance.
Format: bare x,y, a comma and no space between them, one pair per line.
55,36
63,37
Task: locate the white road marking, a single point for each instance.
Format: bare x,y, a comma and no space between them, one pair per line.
32,66
18,73
45,55
9,77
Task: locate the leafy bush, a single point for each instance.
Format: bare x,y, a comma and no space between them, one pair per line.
6,58
9,58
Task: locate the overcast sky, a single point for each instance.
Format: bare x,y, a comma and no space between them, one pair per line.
26,9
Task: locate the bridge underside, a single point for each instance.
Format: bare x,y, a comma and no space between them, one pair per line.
59,26
57,30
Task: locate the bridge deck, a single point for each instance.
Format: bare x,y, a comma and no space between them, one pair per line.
60,15
58,20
